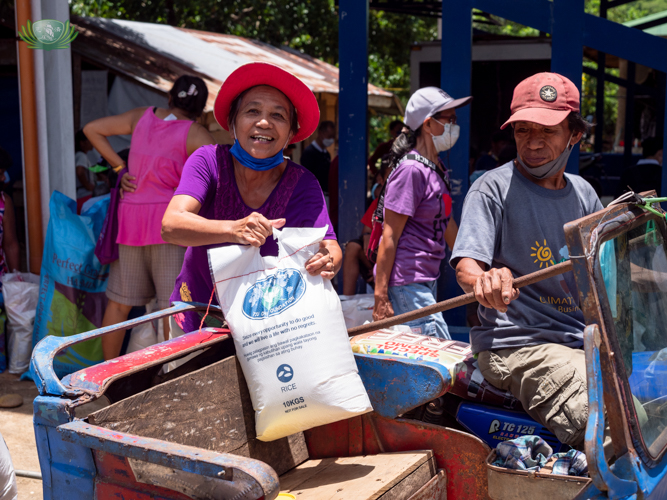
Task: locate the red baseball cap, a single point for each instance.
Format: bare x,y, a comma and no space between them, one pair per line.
261,73
544,98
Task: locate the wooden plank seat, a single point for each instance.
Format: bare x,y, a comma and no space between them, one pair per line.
387,476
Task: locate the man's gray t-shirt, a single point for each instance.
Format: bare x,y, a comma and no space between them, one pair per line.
508,221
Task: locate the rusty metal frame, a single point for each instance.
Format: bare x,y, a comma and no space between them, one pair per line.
603,477
635,432
260,477
584,237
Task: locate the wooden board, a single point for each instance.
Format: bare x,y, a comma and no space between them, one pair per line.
435,489
387,476
209,408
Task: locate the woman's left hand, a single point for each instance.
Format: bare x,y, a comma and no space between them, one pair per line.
321,263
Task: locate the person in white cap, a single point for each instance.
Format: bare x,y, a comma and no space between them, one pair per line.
417,211
530,343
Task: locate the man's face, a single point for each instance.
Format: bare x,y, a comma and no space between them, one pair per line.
327,133
537,144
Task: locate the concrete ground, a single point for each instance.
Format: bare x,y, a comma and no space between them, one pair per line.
16,429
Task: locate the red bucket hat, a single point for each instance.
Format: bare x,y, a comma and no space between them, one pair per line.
261,73
544,98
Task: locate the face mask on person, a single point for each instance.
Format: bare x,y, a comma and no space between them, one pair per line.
327,142
448,138
257,164
6,181
550,168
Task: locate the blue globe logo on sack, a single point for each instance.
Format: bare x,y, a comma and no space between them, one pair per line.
272,295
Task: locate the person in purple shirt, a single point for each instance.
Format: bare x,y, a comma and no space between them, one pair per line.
238,194
417,212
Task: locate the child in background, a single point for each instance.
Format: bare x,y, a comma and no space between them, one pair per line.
85,179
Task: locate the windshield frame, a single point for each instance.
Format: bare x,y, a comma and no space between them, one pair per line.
607,229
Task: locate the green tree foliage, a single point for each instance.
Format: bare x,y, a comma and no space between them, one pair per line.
309,26
621,14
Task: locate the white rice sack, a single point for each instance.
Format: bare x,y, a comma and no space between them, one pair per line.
290,335
21,293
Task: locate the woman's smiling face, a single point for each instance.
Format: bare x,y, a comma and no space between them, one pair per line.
262,125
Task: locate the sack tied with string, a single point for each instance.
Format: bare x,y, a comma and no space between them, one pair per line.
290,335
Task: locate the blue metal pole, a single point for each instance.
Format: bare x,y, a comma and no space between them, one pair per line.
455,76
352,116
567,51
663,187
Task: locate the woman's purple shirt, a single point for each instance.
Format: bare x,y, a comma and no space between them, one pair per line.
297,198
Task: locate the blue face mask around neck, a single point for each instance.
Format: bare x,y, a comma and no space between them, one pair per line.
257,164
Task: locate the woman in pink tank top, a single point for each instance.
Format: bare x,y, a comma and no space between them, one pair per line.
162,140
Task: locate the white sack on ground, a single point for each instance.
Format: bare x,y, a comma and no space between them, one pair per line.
8,489
357,309
142,336
146,334
21,292
290,335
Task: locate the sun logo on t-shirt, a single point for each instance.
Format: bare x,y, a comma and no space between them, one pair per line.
542,254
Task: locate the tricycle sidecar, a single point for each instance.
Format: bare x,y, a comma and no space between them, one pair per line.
128,429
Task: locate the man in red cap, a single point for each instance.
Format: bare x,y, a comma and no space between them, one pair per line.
512,224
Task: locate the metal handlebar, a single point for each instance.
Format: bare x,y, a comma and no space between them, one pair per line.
41,362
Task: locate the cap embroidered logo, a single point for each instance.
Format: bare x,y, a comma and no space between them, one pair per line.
548,93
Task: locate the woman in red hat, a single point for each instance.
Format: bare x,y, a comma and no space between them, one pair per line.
238,194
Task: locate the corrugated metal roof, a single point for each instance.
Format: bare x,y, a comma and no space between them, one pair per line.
157,54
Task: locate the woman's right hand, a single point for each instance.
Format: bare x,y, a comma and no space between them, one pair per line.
126,184
383,308
254,229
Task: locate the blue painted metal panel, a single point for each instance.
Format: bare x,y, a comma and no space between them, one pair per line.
44,455
72,468
567,51
455,76
624,42
65,467
352,116
392,392
494,425
533,13
50,411
663,188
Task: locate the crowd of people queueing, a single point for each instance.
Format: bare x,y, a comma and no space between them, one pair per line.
181,194
184,194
